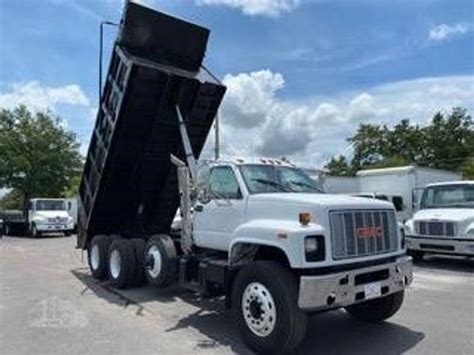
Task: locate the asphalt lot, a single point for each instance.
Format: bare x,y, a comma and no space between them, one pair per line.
49,304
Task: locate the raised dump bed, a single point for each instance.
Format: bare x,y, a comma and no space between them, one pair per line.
129,186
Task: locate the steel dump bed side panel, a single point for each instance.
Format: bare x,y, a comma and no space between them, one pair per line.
129,186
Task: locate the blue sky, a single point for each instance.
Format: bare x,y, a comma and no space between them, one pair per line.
302,74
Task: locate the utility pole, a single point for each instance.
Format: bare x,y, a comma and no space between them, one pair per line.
217,142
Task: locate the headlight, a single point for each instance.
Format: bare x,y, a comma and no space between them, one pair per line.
409,227
314,248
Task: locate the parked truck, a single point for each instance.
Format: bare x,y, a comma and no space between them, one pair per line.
41,216
402,185
404,182
444,224
258,232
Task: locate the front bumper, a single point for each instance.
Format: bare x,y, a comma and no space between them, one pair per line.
54,227
448,245
348,287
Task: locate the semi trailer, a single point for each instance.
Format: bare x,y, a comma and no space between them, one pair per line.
259,232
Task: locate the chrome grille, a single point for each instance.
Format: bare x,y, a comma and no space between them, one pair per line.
57,219
436,228
357,233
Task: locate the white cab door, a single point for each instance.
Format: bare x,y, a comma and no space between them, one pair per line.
216,221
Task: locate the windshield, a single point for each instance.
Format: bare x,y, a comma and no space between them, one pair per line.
448,196
50,205
271,178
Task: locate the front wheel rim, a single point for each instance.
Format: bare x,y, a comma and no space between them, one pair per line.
258,309
115,264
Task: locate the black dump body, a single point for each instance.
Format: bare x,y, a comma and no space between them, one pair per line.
129,185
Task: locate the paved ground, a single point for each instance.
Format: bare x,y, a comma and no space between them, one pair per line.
49,304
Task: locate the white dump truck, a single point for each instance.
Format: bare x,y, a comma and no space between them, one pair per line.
258,232
444,224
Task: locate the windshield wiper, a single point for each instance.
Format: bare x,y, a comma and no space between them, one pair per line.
274,184
304,184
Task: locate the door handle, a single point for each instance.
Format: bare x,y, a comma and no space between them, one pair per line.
198,208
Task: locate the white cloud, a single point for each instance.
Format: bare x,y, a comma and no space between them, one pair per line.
256,120
250,96
269,8
443,32
327,112
364,107
40,98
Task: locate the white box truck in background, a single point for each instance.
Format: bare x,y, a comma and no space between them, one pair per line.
406,182
400,185
341,185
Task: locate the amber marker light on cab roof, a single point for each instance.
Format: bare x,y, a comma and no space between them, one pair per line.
305,218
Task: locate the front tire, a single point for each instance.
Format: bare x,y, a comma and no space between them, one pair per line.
377,310
417,255
34,231
265,302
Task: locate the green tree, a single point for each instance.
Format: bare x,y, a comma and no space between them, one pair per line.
38,156
339,166
391,162
403,144
446,143
468,169
12,200
368,145
448,140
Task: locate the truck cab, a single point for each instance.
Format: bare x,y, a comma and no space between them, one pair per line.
444,223
48,215
262,202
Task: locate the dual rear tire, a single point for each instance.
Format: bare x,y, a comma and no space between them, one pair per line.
120,260
132,262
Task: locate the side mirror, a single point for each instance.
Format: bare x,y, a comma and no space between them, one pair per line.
204,197
398,203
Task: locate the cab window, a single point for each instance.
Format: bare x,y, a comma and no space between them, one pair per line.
223,184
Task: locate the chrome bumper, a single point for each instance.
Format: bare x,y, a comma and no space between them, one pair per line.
54,227
449,245
348,287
